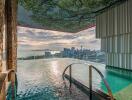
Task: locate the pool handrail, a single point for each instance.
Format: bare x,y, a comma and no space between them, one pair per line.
90,78
7,75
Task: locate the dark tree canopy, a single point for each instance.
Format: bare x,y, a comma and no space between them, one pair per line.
64,15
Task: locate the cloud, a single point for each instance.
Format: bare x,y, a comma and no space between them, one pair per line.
48,39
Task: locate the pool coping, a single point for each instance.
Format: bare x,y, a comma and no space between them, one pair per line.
124,94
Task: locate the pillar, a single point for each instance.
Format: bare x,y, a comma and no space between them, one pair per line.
11,30
1,30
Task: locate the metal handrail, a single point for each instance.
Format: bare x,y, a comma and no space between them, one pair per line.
67,68
7,76
90,78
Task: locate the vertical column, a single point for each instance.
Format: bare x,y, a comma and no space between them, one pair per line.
3,92
11,41
11,16
90,82
1,30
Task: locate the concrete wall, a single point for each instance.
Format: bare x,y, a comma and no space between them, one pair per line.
114,27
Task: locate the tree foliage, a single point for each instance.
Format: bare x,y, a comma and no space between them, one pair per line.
64,13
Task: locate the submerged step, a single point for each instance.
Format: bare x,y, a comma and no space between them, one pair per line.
96,94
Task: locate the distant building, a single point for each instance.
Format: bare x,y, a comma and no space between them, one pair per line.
66,52
58,54
84,54
48,54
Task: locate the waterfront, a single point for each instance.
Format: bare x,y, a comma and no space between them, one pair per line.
42,79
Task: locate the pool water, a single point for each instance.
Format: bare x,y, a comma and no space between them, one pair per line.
42,79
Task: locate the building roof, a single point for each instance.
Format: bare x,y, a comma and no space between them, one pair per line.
115,3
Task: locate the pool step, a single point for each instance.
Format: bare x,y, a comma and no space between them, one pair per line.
96,94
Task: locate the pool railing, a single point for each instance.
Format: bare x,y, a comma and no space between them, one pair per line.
6,79
90,79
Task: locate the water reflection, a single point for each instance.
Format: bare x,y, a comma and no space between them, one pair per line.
54,68
42,79
116,81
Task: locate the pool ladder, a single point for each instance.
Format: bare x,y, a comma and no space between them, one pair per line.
90,79
8,77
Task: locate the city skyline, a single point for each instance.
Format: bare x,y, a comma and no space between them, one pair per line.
38,39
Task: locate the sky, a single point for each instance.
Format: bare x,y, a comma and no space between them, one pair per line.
40,39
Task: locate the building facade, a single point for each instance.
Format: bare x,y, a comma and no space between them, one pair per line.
114,28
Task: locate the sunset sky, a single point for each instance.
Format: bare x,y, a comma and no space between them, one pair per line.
38,39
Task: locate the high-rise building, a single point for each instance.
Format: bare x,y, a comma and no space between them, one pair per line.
114,27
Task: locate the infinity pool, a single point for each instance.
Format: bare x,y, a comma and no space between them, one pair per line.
42,79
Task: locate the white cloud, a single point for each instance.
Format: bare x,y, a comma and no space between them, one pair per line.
48,39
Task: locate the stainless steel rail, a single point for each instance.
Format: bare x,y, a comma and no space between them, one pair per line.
90,79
